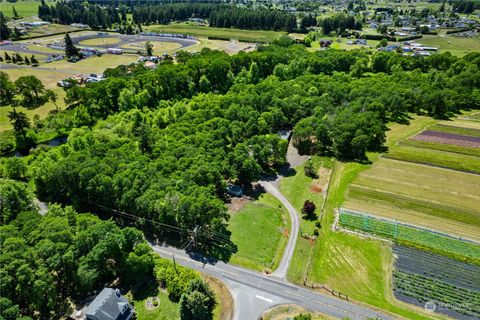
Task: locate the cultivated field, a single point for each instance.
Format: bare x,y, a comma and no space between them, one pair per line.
453,286
440,199
204,31
410,235
413,182
259,229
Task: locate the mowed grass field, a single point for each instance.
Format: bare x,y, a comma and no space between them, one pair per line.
159,47
258,231
204,31
24,8
457,46
100,41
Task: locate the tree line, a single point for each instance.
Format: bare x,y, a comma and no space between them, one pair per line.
339,23
219,15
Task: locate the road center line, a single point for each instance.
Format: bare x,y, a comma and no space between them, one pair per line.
264,299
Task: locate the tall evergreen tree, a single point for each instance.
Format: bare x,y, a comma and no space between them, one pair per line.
19,121
5,31
70,50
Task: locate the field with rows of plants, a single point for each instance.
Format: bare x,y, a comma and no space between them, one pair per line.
444,200
412,236
420,277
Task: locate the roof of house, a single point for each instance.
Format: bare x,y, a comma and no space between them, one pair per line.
108,305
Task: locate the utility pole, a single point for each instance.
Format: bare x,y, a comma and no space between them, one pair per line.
174,264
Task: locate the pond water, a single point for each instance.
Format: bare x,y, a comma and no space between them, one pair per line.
51,143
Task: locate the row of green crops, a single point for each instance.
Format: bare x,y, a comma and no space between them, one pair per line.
412,236
455,301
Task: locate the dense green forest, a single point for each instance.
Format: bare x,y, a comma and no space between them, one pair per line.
161,144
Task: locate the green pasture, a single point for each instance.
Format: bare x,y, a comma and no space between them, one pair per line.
258,231
204,31
23,8
458,46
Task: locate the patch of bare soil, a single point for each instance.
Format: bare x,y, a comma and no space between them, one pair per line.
236,204
320,184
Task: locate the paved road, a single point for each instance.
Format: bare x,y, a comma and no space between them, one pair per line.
127,39
254,293
281,271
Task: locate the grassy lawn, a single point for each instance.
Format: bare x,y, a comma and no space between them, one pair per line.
204,31
99,41
159,47
94,64
166,310
456,45
24,8
42,111
258,231
298,188
42,48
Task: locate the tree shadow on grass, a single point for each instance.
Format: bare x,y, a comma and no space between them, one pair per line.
147,289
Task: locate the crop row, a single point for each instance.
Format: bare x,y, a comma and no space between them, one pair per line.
456,130
437,267
447,297
442,147
412,236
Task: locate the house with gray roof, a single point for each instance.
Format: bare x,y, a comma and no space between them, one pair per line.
109,305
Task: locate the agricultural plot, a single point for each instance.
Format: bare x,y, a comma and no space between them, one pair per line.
412,236
444,200
448,138
420,277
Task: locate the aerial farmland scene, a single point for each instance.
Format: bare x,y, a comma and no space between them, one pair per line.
239,160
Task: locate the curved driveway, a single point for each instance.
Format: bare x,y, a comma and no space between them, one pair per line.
281,271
